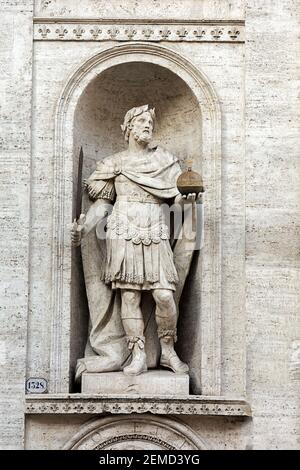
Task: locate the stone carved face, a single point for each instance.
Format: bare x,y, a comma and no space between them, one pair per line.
142,127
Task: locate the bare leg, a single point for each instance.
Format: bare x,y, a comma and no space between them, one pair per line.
133,324
166,319
131,312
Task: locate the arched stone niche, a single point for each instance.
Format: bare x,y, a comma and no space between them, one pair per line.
98,115
89,113
135,433
106,99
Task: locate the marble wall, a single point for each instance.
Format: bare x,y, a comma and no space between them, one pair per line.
15,177
272,221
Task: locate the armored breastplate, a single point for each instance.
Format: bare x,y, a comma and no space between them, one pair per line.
127,190
131,221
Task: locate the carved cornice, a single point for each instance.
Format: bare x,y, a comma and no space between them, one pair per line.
191,405
91,29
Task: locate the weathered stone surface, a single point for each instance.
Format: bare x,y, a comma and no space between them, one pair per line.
272,221
211,9
155,383
15,149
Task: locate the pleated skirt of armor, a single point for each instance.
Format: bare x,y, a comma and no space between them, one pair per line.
140,266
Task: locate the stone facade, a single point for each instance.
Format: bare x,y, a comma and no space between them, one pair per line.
234,68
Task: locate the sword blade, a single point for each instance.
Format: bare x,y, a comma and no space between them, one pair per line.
79,185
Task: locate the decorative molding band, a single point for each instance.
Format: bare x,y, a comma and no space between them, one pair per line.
66,29
191,405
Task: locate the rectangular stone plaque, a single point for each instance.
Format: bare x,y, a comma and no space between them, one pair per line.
156,383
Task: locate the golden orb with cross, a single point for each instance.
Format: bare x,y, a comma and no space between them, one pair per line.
190,181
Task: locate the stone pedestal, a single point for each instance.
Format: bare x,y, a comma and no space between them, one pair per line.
156,383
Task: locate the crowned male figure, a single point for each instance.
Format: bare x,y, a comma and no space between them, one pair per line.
138,182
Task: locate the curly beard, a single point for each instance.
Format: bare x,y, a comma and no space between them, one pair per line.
142,137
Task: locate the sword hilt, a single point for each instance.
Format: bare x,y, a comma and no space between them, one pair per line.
76,230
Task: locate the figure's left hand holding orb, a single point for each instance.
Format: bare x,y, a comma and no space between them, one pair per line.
190,186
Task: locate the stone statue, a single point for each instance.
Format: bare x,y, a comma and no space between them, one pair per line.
135,255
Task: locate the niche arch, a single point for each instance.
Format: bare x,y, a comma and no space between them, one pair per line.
208,137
